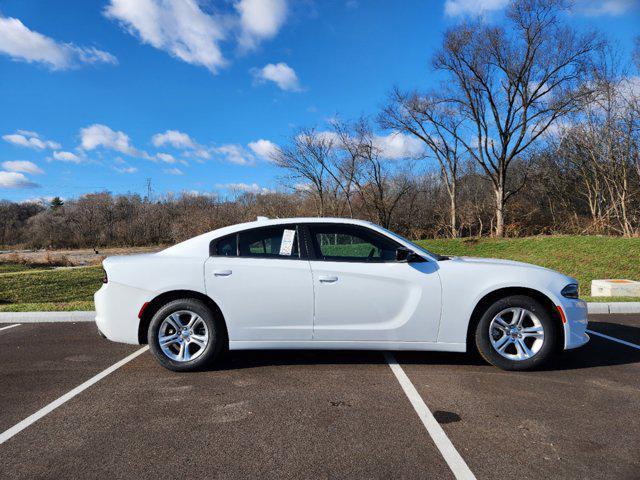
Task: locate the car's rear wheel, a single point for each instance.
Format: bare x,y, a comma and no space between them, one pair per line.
517,333
184,335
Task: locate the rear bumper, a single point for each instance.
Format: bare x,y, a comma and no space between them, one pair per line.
575,312
117,308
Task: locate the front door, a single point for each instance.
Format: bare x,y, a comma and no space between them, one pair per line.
261,285
363,294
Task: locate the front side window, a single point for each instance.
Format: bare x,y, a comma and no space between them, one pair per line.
269,242
349,243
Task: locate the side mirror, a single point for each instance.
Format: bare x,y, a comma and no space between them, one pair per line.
405,255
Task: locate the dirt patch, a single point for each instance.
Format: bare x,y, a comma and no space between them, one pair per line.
68,258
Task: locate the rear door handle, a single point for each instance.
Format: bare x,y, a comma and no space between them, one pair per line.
222,273
327,279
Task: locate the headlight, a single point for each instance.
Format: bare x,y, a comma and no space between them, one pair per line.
570,291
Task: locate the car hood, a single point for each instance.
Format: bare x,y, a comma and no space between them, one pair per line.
500,263
492,261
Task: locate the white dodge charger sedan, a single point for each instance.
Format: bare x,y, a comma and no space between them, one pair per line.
329,283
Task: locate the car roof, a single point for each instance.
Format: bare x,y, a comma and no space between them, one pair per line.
196,245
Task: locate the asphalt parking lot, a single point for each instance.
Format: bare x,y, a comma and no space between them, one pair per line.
315,414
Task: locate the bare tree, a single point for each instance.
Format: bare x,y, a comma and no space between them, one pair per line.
606,139
306,157
380,186
438,124
512,83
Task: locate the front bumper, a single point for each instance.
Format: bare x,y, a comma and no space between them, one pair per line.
117,308
575,312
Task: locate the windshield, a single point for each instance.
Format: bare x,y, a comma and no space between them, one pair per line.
414,245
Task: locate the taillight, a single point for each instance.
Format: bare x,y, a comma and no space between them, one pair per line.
105,278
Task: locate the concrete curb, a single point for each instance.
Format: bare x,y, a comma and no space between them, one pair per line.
614,307
594,308
46,317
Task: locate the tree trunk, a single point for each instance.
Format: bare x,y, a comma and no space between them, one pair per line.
452,213
500,201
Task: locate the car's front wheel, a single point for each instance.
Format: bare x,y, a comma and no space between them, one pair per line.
184,335
516,333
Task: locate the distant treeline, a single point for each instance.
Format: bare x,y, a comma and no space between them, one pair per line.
415,205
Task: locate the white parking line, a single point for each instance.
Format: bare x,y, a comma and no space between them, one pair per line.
17,428
613,339
10,326
455,461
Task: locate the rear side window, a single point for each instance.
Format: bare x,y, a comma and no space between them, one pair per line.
227,246
270,242
351,244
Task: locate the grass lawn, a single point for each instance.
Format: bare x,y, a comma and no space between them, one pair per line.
585,258
13,267
52,289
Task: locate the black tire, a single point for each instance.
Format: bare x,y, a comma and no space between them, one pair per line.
542,356
211,352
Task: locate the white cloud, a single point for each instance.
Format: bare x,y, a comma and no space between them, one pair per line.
259,20
302,187
174,138
166,157
323,136
21,43
26,138
126,169
456,8
181,141
173,171
629,89
235,154
264,149
22,166
202,153
243,187
27,133
15,180
178,27
281,74
396,146
474,8
66,157
44,201
606,7
98,135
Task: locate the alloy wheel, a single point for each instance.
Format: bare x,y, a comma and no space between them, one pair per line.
183,336
516,333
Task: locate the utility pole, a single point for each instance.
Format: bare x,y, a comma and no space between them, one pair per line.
149,190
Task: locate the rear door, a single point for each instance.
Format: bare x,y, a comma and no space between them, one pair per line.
262,284
363,294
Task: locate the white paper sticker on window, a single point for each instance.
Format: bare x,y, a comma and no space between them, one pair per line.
286,247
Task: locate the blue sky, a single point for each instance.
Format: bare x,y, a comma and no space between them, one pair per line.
101,95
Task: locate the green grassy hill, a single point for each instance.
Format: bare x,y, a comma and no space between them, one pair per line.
585,258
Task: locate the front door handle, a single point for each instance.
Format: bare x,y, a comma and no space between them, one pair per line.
327,279
222,273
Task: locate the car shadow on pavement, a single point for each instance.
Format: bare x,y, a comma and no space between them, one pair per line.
274,358
598,352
